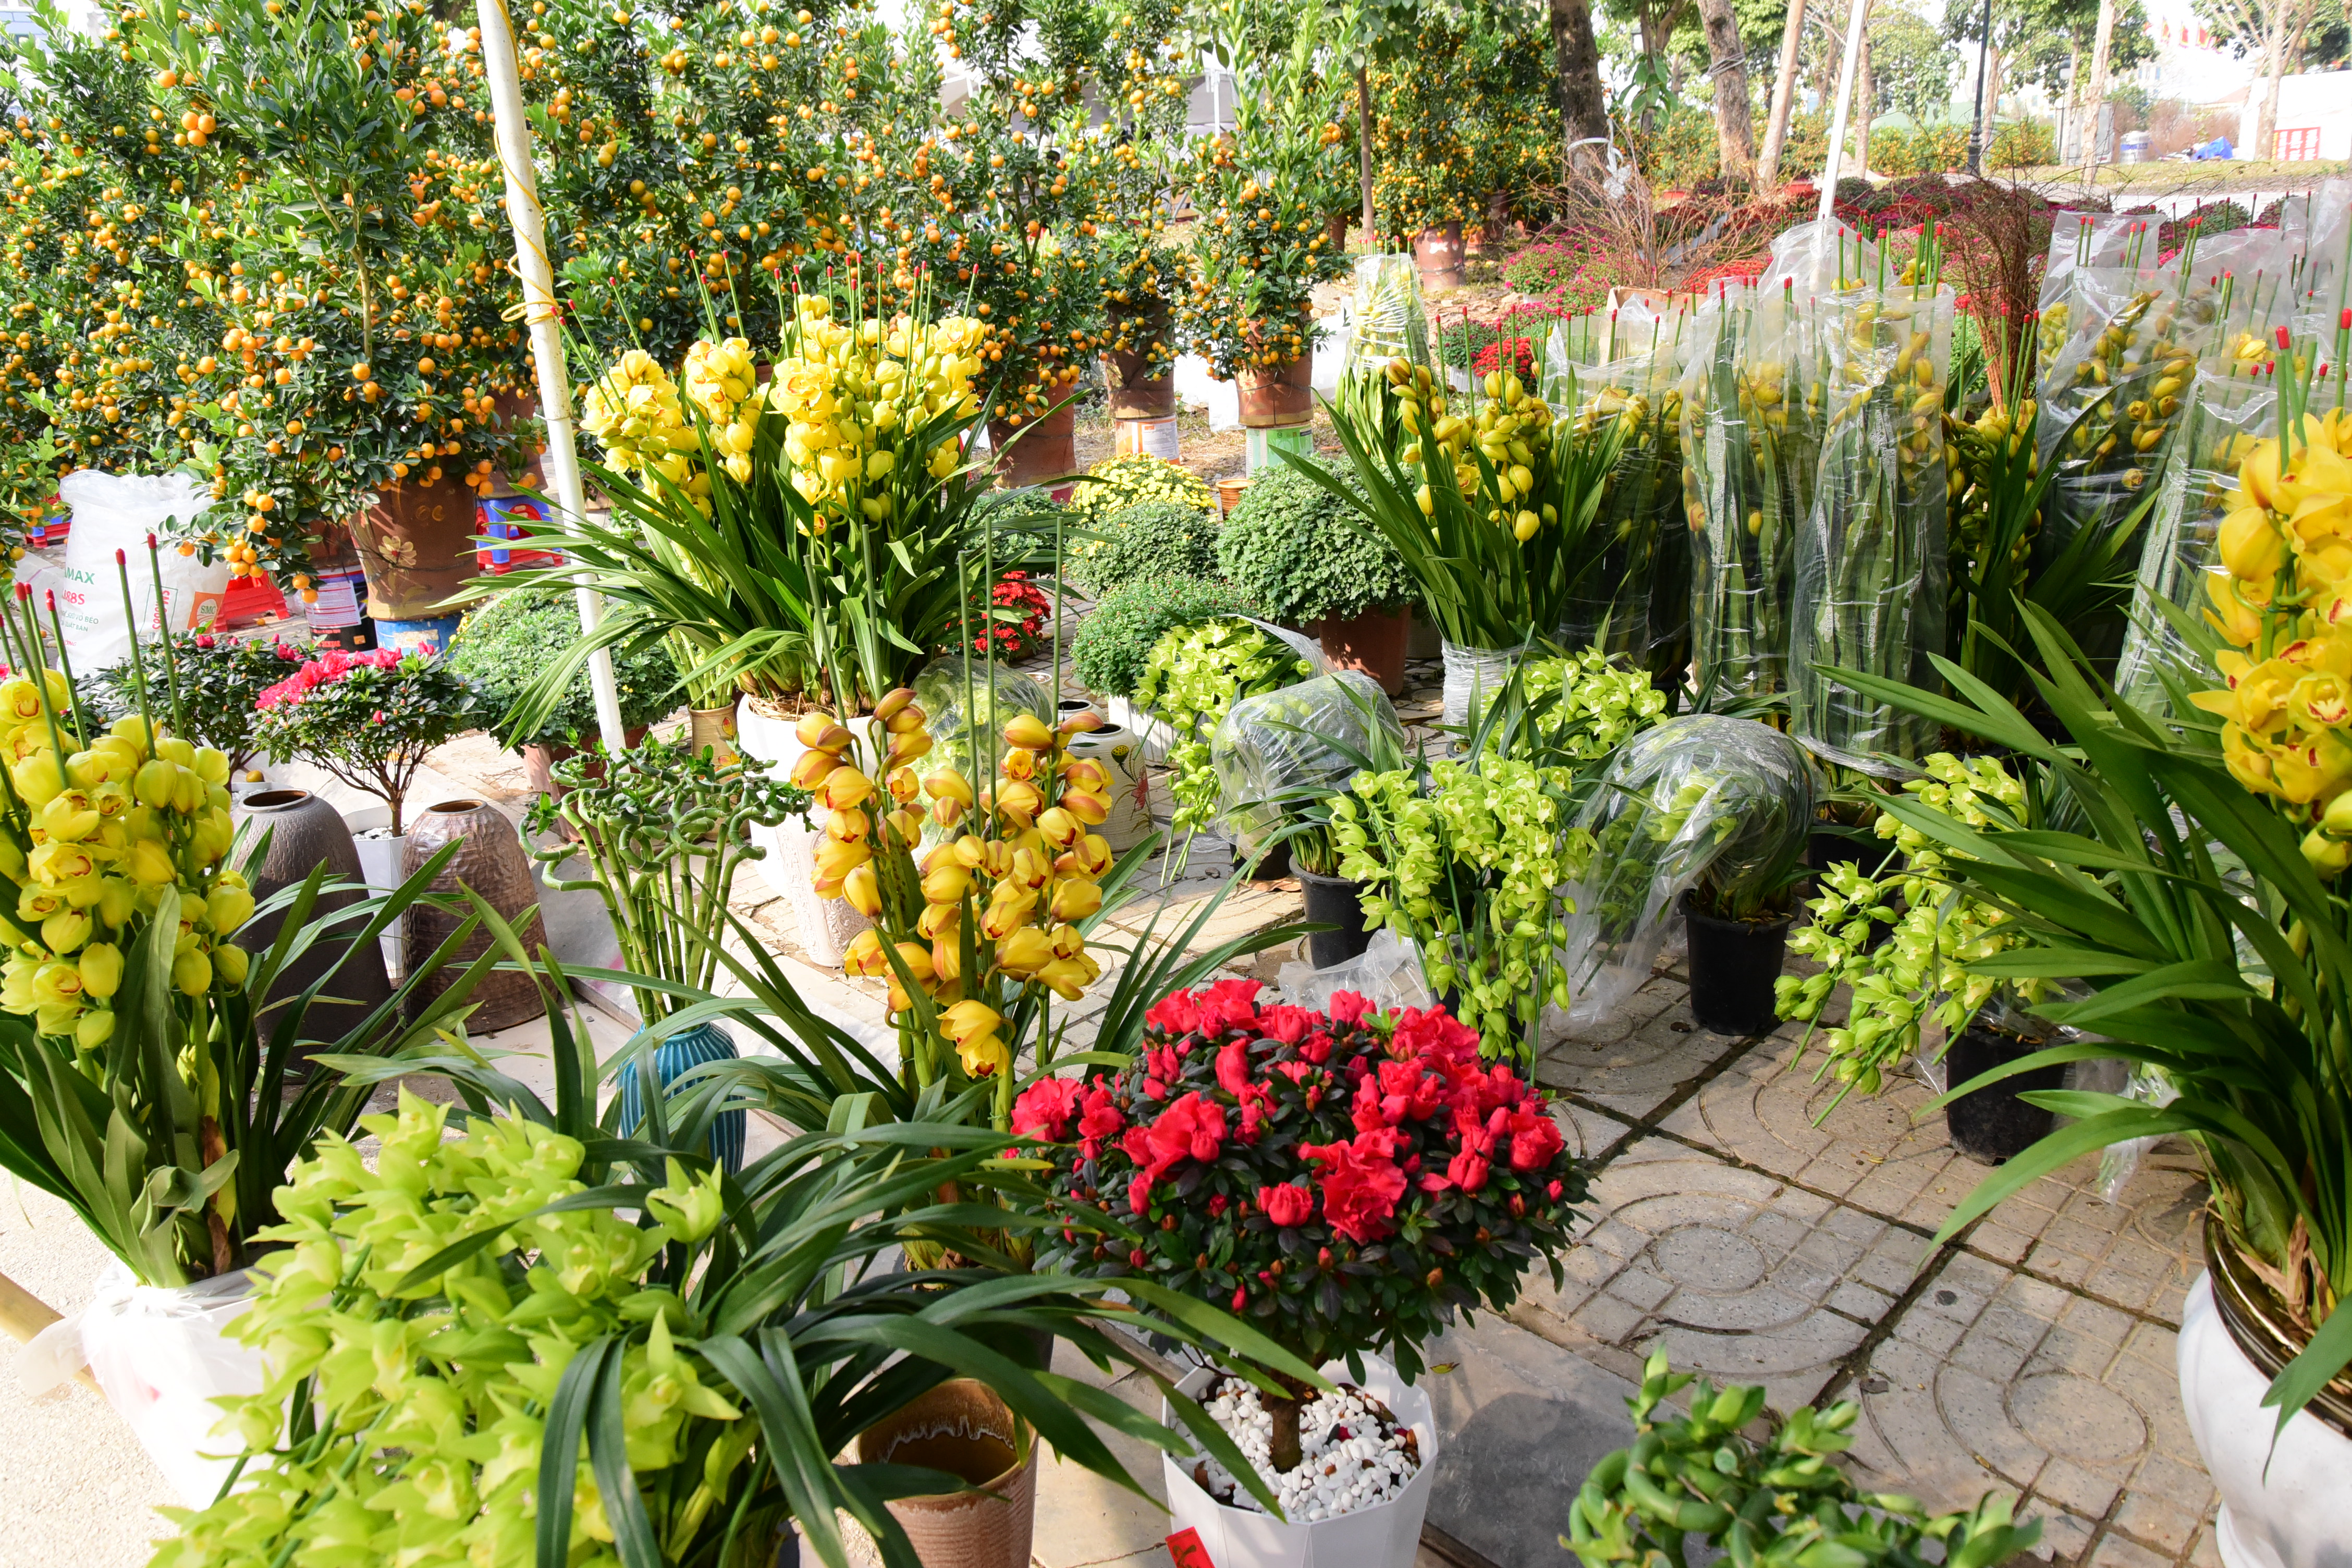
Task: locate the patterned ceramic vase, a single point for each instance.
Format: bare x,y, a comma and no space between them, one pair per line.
489,860
672,1058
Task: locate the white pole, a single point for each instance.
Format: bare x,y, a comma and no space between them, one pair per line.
1857,13
562,464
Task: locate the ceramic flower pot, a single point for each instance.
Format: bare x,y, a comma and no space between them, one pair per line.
712,729
1139,389
1154,734
379,848
763,734
1229,493
1386,1535
1121,752
490,861
416,547
1276,395
305,832
1035,450
1733,964
673,1059
962,1428
1373,642
2283,1506
1437,254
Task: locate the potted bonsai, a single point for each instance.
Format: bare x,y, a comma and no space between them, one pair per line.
1289,545
1345,1183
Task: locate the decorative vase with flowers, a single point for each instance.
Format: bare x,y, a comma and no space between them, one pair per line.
1345,1182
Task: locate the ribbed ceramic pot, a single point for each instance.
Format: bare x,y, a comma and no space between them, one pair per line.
673,1059
305,832
490,861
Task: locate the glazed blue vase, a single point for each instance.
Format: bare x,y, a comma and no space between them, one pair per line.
674,1058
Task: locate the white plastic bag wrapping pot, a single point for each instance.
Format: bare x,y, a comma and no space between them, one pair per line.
1387,1535
1694,794
998,694
1386,973
1617,585
2283,1506
1473,678
118,511
1317,734
1871,560
162,1358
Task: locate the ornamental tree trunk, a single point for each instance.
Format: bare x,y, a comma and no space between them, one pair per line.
1578,57
1784,94
1734,130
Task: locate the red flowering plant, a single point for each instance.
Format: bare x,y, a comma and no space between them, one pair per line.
367,717
220,680
1348,1181
1010,619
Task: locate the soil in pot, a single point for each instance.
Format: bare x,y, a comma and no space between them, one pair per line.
1993,1124
1733,964
1338,901
1353,1453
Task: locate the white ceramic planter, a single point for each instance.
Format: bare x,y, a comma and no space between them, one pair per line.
1385,1536
1121,752
1157,734
379,854
2299,1513
826,926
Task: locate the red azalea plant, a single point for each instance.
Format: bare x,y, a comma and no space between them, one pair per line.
1348,1180
367,717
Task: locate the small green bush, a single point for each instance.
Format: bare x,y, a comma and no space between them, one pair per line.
2022,145
1151,539
502,645
1291,547
1114,643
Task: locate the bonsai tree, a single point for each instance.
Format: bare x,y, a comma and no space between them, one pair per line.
368,718
1782,1500
1345,1183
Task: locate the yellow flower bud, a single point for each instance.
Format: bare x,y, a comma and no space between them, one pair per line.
863,890
232,962
155,783
229,908
101,969
93,1029
65,931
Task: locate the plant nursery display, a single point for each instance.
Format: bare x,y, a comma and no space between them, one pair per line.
1114,485
1346,1180
1113,645
1150,540
1192,679
220,681
1290,547
367,717
1781,1500
1581,708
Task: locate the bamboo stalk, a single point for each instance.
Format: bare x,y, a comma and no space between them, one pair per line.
23,1314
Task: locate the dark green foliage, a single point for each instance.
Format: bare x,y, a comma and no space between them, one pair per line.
1151,540
1114,642
504,643
1294,548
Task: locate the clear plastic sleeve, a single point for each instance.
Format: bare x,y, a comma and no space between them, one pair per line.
1697,795
1386,973
1610,602
1812,258
1386,319
1754,412
1871,567
998,694
2227,411
1314,735
1473,677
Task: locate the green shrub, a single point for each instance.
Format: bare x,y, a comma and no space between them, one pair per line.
1114,642
1115,484
1151,539
1290,547
502,645
1192,680
2022,144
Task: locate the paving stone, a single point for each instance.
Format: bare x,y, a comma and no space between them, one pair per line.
2038,1391
1635,1074
1520,1421
2115,1552
1084,1518
1750,1282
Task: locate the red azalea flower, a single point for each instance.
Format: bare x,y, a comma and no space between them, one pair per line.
1286,1205
1289,1025
1178,1013
1228,1005
1534,1139
1467,1170
1045,1107
1102,1120
1360,1185
1139,1194
1347,1007
1233,1067
1193,1125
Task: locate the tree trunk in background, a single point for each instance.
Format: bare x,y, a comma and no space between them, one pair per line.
1734,130
1578,57
2100,40
1784,95
1654,34
1865,94
2279,42
1364,151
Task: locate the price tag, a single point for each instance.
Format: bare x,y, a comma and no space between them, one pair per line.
1185,1547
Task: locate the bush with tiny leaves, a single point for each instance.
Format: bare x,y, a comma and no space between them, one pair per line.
1293,547
1153,538
1115,642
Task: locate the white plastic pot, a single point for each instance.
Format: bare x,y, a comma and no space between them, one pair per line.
161,1359
2283,1507
1387,1535
379,852
826,926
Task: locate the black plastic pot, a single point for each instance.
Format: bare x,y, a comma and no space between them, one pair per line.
1338,901
1732,966
1274,868
1830,844
1993,1124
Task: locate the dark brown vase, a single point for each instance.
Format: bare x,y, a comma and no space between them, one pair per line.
1437,254
1035,449
1138,388
490,861
1276,395
417,544
1373,642
305,832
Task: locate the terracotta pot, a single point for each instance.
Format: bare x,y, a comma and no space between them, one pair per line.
1229,492
962,1428
416,546
305,833
1337,232
1373,642
1276,395
490,861
1437,253
1139,389
1036,449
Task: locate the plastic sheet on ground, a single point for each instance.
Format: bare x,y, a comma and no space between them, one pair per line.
1317,735
1695,795
1386,973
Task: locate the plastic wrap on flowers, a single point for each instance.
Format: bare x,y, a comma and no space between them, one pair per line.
1815,257
998,695
1695,795
1609,603
1318,733
2180,563
1385,318
1754,411
1473,678
1871,565
2076,239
